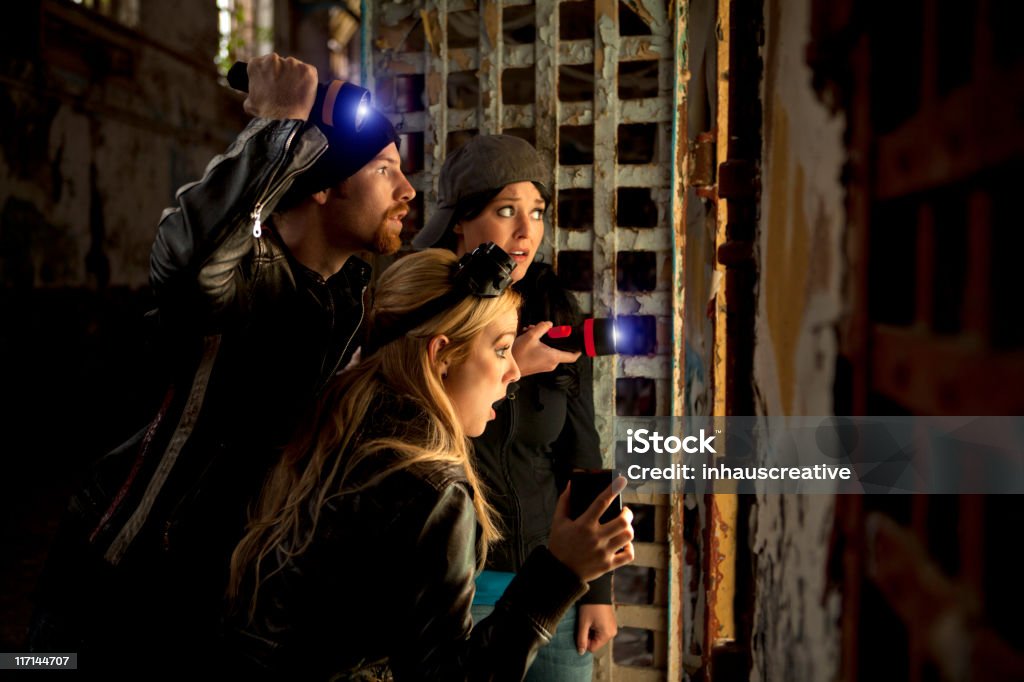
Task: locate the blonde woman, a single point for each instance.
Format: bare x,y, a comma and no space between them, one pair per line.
496,188
360,562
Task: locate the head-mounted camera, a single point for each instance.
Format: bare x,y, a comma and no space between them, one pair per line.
485,272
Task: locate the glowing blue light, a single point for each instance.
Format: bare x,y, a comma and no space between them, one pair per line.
361,113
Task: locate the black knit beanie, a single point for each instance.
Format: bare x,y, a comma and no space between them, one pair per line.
347,152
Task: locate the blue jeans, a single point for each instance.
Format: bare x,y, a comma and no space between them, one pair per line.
559,660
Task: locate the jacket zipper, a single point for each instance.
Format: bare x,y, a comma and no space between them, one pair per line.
355,330
518,549
265,198
362,310
257,224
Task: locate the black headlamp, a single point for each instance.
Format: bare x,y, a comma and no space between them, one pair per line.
485,272
338,104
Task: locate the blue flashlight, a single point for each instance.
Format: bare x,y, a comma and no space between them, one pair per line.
338,104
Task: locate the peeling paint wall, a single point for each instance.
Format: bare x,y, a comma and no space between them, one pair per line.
699,267
104,123
801,253
795,620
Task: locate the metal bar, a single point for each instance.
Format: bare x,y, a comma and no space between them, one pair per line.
646,110
576,177
606,99
605,111
654,175
630,496
575,52
676,644
661,580
644,48
410,122
406,62
462,119
435,26
722,216
518,116
546,109
463,58
652,368
963,138
585,300
722,570
641,616
574,113
489,73
944,375
628,673
644,239
679,10
650,554
517,56
574,240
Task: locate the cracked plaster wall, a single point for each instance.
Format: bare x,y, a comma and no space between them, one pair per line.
104,123
795,620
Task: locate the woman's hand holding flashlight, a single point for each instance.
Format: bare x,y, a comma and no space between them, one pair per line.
534,356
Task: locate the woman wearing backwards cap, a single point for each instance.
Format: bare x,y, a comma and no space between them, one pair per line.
496,188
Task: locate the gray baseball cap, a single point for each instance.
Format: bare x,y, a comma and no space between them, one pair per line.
485,163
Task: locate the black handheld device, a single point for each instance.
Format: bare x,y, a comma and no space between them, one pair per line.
338,104
585,486
624,334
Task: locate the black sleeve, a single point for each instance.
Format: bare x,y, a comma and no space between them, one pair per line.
202,239
578,444
437,639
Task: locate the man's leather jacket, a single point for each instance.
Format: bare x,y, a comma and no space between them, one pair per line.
251,336
260,332
386,585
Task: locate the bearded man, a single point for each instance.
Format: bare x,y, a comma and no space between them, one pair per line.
260,299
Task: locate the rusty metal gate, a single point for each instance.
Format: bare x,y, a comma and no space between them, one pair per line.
596,86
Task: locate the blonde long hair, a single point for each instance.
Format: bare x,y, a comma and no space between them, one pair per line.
319,465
